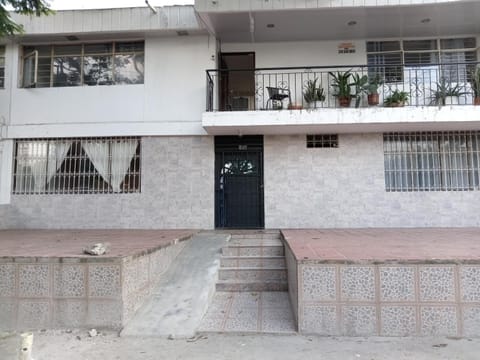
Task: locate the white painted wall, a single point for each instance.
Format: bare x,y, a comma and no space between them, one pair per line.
5,93
301,53
6,153
170,102
112,20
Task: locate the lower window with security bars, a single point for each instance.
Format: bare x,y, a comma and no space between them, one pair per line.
432,161
77,165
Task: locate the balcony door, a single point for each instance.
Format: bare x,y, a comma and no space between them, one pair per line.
237,81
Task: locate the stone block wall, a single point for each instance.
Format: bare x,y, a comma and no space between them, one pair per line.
344,187
177,192
420,299
42,293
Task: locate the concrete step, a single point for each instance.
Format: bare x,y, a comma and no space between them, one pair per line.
264,236
255,242
252,261
242,285
253,274
245,250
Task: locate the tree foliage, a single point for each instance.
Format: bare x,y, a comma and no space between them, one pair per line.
24,7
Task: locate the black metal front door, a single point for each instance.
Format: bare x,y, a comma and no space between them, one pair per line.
239,182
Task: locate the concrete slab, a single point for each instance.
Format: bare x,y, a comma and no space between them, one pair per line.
181,298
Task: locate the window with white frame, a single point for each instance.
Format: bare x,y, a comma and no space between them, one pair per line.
77,165
2,67
432,161
452,55
109,63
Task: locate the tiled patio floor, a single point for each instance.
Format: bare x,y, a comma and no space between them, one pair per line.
406,245
70,243
249,312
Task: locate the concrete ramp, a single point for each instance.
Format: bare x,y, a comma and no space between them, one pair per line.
181,298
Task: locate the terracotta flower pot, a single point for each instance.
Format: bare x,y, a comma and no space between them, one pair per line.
295,107
373,99
476,100
344,101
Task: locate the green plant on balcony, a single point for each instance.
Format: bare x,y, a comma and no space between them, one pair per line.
396,99
361,87
312,94
475,84
445,93
342,87
373,84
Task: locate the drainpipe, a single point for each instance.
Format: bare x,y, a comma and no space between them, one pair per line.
252,27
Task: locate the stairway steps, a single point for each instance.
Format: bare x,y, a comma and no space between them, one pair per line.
254,242
253,261
266,236
253,274
246,250
242,285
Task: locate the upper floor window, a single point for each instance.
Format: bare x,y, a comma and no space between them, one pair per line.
83,64
387,58
77,166
2,67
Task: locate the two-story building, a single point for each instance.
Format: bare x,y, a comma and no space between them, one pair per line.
243,114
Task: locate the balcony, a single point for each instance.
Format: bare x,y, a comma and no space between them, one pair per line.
342,98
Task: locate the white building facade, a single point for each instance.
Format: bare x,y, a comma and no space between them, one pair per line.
125,118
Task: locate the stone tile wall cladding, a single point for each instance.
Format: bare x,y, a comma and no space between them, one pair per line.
386,299
42,293
176,193
344,187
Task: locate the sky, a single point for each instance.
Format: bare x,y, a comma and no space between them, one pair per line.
99,4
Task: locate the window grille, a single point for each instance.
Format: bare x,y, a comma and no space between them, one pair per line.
432,161
2,67
322,141
449,54
77,166
110,63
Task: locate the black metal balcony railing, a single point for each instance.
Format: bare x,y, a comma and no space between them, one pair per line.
288,87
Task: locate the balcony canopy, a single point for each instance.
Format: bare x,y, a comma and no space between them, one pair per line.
241,24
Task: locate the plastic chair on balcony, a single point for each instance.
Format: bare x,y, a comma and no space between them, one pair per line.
276,95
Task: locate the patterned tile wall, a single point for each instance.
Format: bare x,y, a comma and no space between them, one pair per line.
50,294
389,300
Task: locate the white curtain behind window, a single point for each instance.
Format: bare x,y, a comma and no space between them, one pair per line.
36,166
98,151
57,152
122,154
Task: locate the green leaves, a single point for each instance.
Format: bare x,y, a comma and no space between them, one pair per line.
24,7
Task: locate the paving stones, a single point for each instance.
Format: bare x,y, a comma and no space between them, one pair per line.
249,312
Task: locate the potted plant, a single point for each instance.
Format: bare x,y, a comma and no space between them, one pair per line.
342,87
396,99
446,94
373,84
475,83
361,87
313,95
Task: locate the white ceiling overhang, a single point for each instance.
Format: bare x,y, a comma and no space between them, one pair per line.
445,19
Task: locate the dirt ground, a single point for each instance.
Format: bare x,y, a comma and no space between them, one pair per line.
77,345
